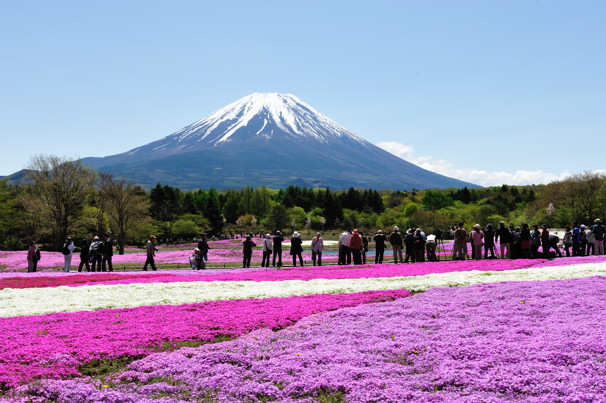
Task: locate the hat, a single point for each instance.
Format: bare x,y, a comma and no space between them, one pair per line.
152,237
197,250
395,228
477,226
69,238
598,220
379,232
267,236
317,233
295,234
278,232
583,226
356,231
96,238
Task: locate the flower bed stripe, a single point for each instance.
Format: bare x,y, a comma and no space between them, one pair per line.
517,341
55,345
293,273
36,301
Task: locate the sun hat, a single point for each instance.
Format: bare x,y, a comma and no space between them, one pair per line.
152,237
295,234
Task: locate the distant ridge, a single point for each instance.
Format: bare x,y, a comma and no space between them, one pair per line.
268,139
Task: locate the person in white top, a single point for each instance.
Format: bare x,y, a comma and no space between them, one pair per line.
344,250
317,244
267,247
68,252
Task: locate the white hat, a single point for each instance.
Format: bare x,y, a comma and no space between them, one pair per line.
395,228
295,234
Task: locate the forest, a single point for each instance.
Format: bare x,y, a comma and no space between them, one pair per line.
61,198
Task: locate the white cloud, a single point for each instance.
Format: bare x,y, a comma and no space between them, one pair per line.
477,176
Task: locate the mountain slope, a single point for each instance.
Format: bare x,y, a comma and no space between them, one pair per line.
270,139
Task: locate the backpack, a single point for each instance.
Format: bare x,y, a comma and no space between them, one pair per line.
65,249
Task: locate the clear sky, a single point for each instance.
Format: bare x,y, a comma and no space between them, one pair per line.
487,91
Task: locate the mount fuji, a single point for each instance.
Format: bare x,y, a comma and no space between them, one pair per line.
268,139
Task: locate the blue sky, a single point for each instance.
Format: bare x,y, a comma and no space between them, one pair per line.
487,91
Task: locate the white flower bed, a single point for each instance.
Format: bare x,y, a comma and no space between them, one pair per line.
37,301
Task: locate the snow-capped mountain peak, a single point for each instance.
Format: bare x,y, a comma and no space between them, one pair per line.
260,115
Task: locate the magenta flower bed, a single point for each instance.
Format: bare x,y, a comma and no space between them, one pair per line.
516,341
73,279
52,346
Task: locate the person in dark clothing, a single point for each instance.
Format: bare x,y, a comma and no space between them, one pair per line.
503,234
203,246
84,255
409,243
516,246
545,241
296,248
278,239
108,252
489,242
419,245
96,254
380,240
247,247
553,243
364,247
525,239
535,241
395,239
598,232
576,239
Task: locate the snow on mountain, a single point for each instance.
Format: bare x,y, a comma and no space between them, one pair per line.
267,139
261,115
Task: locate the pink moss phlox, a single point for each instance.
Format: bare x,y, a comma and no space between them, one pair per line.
54,345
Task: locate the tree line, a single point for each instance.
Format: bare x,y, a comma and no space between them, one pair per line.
63,198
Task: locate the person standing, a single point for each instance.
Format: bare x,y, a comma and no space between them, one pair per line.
545,241
32,254
150,249
203,247
409,244
567,240
267,248
395,239
84,255
344,250
590,241
583,235
108,253
477,237
68,253
247,247
380,246
355,244
576,239
504,235
460,243
96,254
525,240
317,245
278,239
364,247
296,249
419,245
598,233
489,242
535,241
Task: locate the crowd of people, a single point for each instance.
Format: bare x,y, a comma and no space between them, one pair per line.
412,246
95,255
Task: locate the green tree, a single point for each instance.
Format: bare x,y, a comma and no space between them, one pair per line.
278,217
62,187
125,205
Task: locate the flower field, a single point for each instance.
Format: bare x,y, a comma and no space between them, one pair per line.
492,330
